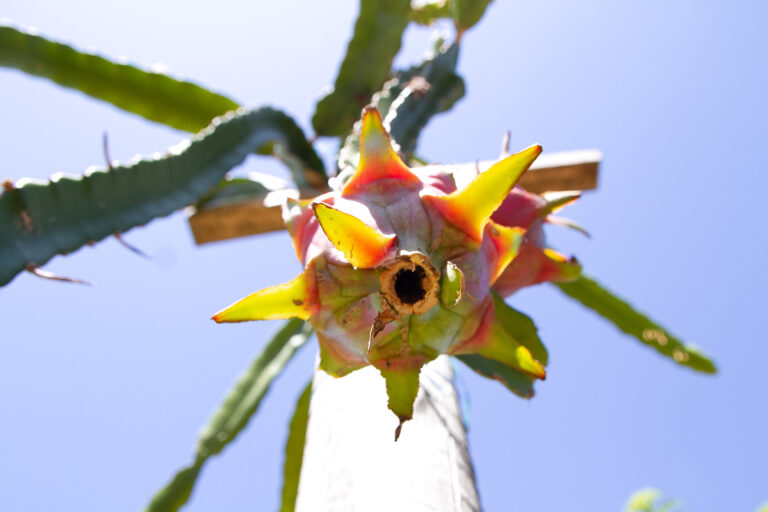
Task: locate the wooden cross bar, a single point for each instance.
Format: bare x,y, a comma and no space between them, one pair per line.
551,172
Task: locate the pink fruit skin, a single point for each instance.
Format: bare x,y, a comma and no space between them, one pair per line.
531,265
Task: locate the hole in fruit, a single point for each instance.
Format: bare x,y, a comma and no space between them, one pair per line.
408,285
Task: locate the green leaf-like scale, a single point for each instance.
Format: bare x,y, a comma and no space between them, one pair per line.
41,219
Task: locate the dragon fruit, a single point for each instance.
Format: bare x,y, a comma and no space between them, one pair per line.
399,266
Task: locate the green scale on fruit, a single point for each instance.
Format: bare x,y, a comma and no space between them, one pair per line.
400,266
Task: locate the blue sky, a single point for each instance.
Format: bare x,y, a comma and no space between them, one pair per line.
104,389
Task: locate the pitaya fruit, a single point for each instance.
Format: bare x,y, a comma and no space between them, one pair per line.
399,266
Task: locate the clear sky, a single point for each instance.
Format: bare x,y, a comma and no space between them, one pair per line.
104,389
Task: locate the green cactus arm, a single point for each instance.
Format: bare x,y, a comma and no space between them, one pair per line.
152,95
409,100
294,450
375,43
155,96
235,412
177,492
376,40
415,103
41,219
628,320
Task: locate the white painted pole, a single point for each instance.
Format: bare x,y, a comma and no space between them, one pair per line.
352,463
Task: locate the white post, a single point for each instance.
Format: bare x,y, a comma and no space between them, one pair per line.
352,463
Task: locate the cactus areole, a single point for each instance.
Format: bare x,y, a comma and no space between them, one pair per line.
399,267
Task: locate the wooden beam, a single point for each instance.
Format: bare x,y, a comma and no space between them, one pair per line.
565,170
235,220
551,172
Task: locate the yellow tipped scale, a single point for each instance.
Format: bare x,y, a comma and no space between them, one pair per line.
470,208
501,347
362,245
568,268
495,342
402,388
556,201
507,241
287,300
378,160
